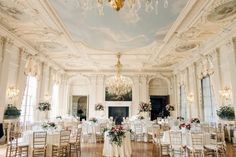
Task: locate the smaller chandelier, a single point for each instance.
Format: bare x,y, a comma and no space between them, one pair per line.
117,4
119,85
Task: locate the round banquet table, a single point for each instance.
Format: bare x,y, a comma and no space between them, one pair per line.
186,138
110,150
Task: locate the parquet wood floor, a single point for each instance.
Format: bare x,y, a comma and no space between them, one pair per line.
139,149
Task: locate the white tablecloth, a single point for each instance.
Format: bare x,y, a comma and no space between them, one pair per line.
186,138
110,150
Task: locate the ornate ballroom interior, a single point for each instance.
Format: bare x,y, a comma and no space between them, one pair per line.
120,78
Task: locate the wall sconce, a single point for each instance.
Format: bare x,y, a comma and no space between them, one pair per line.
12,92
226,93
190,98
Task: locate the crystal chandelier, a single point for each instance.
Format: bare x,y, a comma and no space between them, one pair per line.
118,84
133,5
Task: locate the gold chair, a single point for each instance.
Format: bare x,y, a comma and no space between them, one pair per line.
197,146
163,147
88,133
12,146
138,132
39,144
176,143
21,148
61,149
99,133
75,145
217,145
153,130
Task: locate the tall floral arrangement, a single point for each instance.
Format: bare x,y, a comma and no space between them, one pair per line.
12,111
226,112
170,107
44,106
99,107
145,107
116,135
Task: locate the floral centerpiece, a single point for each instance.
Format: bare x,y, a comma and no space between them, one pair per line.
11,111
49,125
226,112
116,135
195,120
44,106
183,125
180,118
99,107
93,120
170,107
145,107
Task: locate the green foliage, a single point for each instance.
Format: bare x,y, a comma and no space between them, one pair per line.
11,111
226,112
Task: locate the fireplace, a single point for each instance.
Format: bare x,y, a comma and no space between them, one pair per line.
118,112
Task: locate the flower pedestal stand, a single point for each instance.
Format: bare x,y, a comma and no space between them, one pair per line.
43,115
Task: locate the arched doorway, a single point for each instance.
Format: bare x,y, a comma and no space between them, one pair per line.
159,97
79,91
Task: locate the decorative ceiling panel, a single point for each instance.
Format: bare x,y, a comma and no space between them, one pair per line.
116,31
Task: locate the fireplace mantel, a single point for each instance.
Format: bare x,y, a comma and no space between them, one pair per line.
118,103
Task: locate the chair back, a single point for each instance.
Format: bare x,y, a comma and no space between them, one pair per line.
138,128
205,127
12,146
165,127
176,138
159,135
197,139
102,127
64,137
39,139
78,135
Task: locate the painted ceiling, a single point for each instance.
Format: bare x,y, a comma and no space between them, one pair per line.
82,41
117,31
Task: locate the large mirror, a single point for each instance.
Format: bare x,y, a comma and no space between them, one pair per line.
80,106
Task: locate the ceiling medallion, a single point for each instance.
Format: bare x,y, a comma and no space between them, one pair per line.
186,47
118,84
223,12
133,5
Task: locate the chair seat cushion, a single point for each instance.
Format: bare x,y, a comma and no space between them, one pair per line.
212,147
198,147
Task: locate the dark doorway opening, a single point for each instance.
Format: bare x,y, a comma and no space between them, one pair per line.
159,106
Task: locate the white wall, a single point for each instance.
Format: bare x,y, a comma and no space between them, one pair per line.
94,86
12,67
223,58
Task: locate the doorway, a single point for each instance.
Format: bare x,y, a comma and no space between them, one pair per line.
159,106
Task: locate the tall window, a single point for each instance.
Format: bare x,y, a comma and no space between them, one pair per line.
29,100
183,103
55,101
209,107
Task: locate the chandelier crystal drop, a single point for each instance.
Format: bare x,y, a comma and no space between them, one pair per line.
118,84
133,5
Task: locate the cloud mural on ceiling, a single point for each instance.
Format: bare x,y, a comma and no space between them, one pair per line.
116,31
